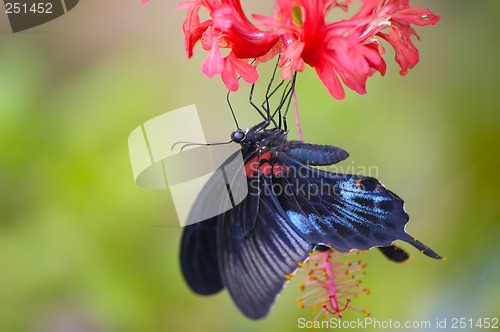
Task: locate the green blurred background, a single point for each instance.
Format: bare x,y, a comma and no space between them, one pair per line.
82,248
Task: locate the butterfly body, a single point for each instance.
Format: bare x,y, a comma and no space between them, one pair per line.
291,208
266,145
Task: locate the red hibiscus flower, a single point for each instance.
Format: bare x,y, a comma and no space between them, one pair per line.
347,51
228,28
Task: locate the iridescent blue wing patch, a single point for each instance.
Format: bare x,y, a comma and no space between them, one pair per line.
344,212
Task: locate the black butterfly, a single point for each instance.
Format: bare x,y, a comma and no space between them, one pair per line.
291,209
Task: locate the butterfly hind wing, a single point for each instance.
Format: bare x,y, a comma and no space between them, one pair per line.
258,258
198,257
395,254
344,212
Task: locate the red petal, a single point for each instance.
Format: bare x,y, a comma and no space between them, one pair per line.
213,64
418,17
229,76
313,30
245,40
406,53
329,78
247,71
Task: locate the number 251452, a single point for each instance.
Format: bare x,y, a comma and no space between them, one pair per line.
23,8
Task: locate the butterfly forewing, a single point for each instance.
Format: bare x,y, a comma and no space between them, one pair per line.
255,261
199,257
348,211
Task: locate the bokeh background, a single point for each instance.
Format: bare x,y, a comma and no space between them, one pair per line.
82,248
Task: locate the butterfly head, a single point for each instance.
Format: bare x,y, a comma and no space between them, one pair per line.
239,135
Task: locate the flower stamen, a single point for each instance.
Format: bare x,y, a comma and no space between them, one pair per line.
331,283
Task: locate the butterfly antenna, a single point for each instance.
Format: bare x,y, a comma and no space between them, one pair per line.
186,144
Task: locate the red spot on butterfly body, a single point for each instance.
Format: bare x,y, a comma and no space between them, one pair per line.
261,164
